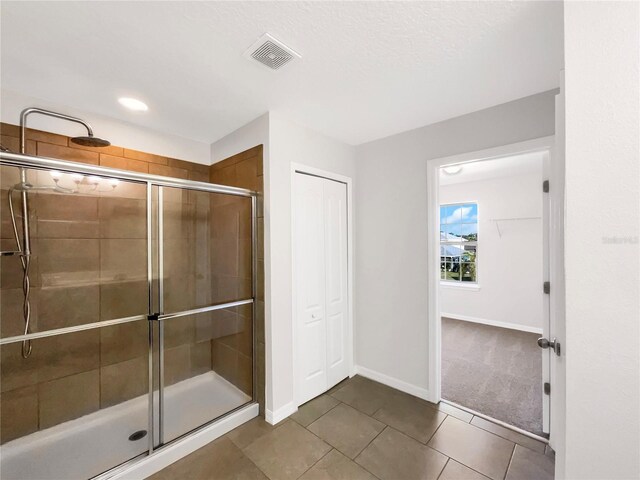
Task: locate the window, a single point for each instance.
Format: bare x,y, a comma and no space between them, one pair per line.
459,242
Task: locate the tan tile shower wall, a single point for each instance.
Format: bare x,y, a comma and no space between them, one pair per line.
45,144
243,170
88,256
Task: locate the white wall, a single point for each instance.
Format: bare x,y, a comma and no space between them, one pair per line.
286,143
290,143
509,266
601,236
118,133
256,132
391,226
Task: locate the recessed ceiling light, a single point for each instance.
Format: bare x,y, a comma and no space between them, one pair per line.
133,104
452,170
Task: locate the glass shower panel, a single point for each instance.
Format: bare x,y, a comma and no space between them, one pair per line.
208,367
77,406
206,248
88,259
71,400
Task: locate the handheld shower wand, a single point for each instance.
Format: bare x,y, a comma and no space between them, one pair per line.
24,247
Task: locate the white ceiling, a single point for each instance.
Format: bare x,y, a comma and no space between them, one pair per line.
496,168
369,69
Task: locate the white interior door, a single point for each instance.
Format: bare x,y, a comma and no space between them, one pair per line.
310,286
335,234
321,303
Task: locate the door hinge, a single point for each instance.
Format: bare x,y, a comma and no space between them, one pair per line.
547,388
546,287
545,186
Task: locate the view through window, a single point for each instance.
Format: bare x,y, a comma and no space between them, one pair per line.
459,242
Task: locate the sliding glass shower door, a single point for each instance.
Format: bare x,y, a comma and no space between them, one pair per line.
74,367
205,263
138,292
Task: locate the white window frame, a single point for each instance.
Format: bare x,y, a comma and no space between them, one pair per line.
475,285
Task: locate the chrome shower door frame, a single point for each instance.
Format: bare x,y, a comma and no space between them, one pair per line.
155,314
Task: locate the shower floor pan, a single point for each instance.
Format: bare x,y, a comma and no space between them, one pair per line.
89,445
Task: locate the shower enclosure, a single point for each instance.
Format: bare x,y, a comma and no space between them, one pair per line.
141,314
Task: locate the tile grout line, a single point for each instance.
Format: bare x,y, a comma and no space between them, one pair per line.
506,472
255,464
242,450
367,446
436,431
307,427
373,415
334,448
460,462
410,437
322,440
443,468
509,440
314,463
372,440
467,466
489,432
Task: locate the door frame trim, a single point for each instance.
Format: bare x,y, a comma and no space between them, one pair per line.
299,168
433,231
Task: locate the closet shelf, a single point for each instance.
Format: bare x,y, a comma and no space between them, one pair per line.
513,219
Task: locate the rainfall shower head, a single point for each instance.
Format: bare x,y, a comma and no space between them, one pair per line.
88,141
91,141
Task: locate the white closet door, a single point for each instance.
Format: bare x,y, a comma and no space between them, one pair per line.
310,286
336,301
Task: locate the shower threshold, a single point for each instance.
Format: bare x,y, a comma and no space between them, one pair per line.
92,444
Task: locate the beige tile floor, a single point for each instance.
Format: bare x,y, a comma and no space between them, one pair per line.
361,429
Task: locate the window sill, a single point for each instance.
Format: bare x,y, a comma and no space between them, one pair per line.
473,287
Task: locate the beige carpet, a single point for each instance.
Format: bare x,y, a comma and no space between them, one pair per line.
495,371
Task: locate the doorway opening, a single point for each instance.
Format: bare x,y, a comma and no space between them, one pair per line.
491,216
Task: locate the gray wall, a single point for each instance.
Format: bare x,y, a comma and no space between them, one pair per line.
391,225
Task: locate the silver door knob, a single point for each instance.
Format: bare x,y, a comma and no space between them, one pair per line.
552,344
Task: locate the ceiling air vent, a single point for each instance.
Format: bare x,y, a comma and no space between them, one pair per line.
271,52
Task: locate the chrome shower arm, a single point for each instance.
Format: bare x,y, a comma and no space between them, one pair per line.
27,111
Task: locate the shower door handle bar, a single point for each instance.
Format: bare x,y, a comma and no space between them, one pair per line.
210,308
78,328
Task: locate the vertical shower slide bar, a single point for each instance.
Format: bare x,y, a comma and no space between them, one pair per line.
254,288
161,312
151,434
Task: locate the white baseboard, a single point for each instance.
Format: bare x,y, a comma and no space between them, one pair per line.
493,323
280,414
393,382
174,452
